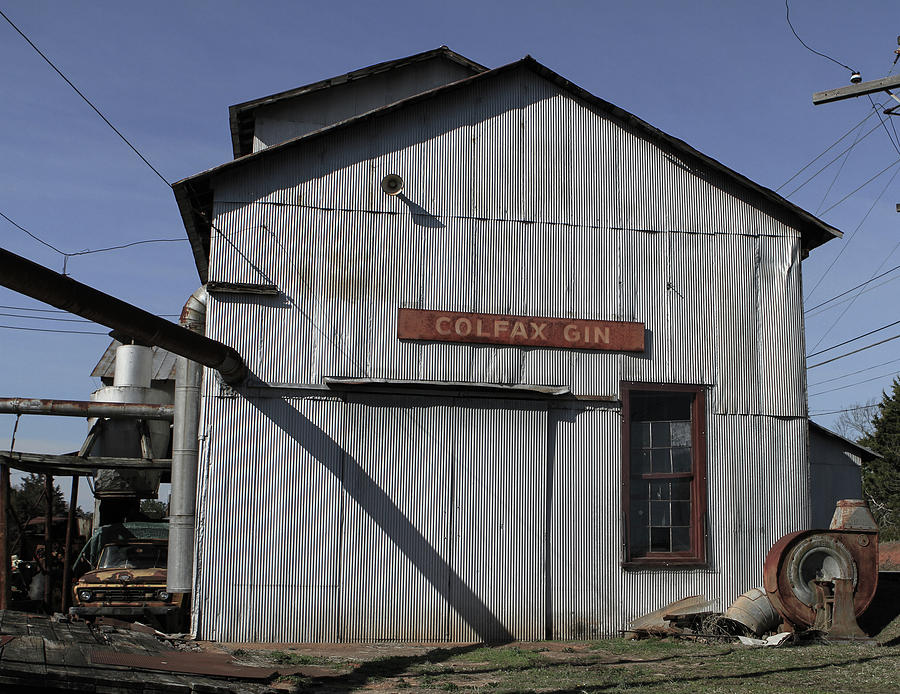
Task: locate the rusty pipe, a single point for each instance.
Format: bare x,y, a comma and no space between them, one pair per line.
29,278
85,408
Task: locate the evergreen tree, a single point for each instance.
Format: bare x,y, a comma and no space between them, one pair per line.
881,477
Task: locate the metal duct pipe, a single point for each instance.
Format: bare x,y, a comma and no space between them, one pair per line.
185,454
85,408
28,278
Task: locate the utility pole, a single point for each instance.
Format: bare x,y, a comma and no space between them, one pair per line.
885,84
860,88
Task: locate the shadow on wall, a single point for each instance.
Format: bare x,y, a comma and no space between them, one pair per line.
389,518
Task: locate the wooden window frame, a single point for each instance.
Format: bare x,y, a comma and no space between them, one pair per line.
697,556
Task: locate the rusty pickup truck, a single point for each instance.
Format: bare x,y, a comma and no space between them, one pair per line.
129,581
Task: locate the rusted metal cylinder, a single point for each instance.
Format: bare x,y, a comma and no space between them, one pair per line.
754,611
28,278
85,408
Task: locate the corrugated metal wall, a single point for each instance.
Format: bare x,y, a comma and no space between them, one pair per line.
447,518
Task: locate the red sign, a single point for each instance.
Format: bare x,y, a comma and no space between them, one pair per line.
523,331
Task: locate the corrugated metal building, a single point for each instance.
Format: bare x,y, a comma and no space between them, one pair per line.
470,483
835,471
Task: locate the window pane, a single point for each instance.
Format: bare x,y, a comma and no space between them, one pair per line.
640,539
640,489
640,461
681,490
640,434
681,513
659,490
659,540
681,433
659,513
681,539
662,461
639,512
659,434
681,460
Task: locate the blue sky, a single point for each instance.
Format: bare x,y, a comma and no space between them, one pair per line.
727,77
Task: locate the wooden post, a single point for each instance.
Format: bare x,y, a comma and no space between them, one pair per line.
48,537
4,536
67,557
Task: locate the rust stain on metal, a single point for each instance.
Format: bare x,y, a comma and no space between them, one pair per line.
521,331
853,514
215,664
889,556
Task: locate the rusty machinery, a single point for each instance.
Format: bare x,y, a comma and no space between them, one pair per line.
825,579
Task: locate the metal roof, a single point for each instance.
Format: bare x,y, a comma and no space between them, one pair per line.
194,194
241,116
862,451
163,364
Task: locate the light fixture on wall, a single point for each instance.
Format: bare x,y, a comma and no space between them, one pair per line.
392,184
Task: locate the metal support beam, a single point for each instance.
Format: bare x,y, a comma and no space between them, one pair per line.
67,556
85,408
854,90
4,536
48,540
41,283
74,464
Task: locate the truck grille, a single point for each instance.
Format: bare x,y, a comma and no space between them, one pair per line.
125,595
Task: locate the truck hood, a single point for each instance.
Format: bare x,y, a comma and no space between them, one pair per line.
124,576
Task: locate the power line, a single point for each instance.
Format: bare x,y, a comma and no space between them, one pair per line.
66,255
850,238
853,339
837,174
838,296
813,50
831,161
56,310
64,320
48,330
851,385
125,245
856,190
42,310
855,297
86,100
881,120
853,373
34,236
846,409
827,149
855,351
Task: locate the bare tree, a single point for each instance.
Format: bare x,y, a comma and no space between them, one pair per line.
856,422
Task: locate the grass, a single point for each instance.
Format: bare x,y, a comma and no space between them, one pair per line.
663,666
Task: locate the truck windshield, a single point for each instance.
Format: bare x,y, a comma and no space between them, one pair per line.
132,557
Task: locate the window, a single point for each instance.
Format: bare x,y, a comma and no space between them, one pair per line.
664,474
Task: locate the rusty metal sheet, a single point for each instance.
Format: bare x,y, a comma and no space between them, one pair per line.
5,639
522,331
214,664
853,514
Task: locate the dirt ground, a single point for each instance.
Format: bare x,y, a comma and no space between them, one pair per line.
672,666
